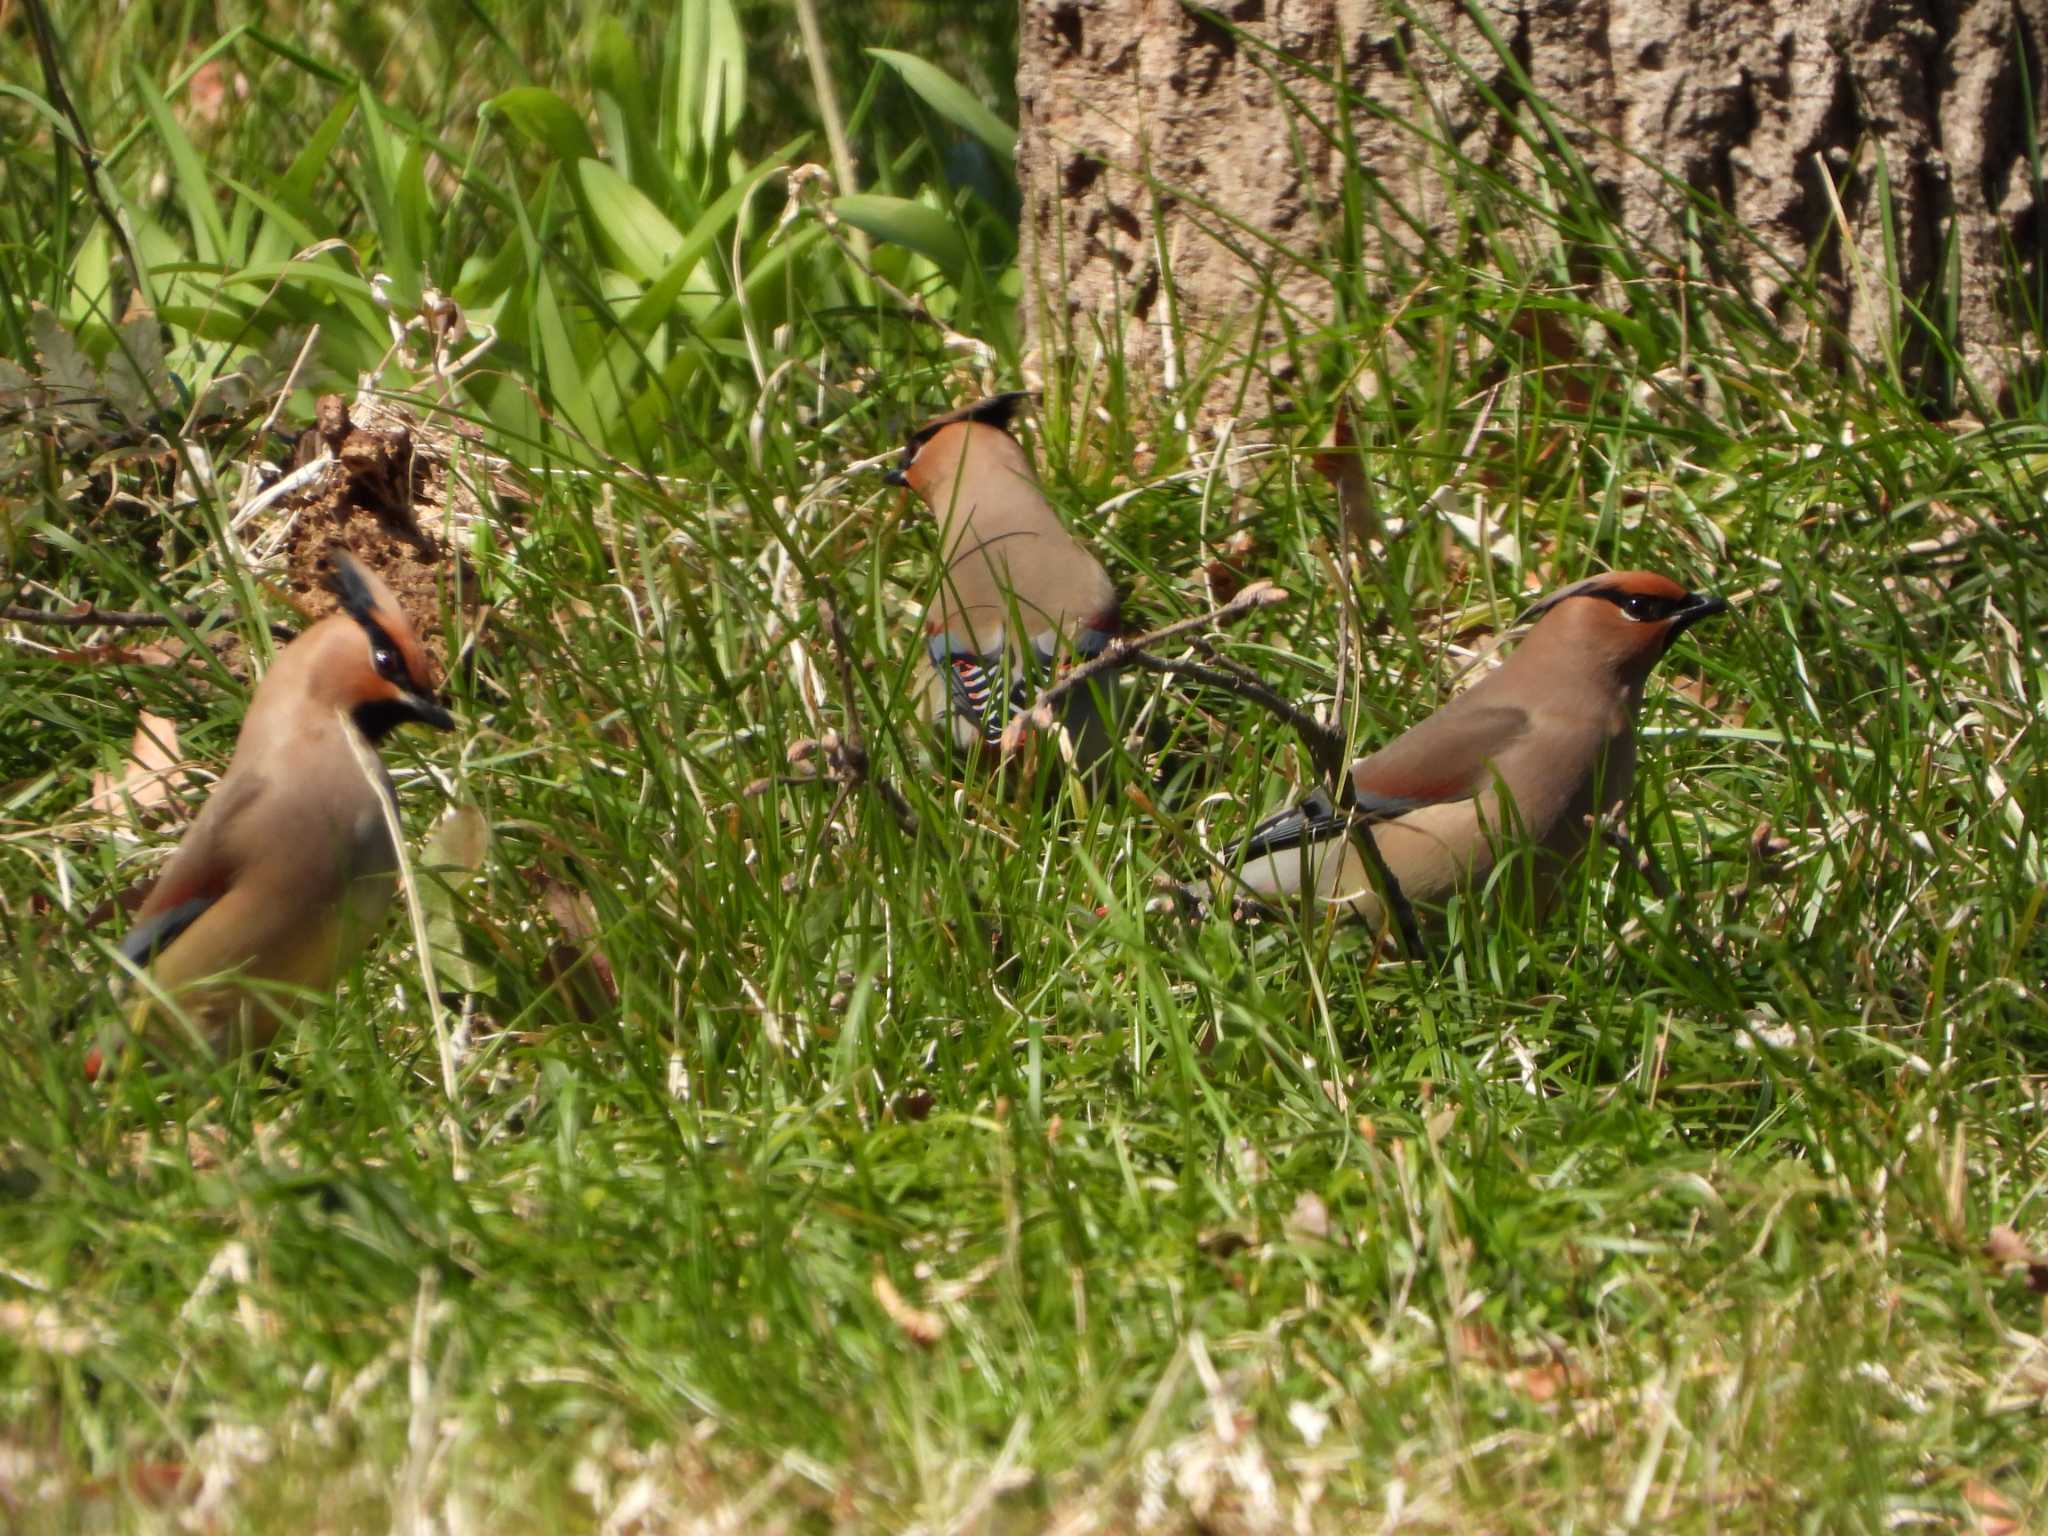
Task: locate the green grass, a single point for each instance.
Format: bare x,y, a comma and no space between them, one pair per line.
930,1180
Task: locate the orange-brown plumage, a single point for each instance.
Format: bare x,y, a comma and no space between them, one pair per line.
1528,756
1015,589
287,869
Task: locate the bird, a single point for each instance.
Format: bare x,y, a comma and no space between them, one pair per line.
1017,595
1528,757
289,866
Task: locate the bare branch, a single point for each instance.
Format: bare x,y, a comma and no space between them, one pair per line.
96,618
1653,875
1120,653
844,752
1325,744
114,618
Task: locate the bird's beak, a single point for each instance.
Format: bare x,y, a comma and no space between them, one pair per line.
1698,605
425,710
894,476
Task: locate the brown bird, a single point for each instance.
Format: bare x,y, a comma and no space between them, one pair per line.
288,868
1527,757
1017,595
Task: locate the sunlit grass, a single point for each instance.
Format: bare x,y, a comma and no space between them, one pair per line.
882,1179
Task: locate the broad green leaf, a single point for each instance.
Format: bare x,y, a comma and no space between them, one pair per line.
455,850
92,278
295,190
397,256
911,225
546,119
413,207
484,279
638,235
645,414
209,235
628,112
951,100
562,374
660,299
711,78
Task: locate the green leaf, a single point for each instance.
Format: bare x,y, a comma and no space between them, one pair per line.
911,225
637,234
397,257
546,119
455,850
655,305
951,100
562,373
711,78
209,235
138,384
295,190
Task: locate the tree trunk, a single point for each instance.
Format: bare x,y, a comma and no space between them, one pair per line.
1183,182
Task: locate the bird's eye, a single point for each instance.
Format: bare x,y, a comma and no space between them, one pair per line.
386,660
1643,608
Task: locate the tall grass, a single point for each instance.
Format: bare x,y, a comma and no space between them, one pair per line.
810,1172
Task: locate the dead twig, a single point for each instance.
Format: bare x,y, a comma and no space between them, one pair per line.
1325,745
1123,652
94,618
846,756
115,618
1646,866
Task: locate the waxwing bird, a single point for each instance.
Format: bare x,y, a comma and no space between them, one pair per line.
1017,593
1527,757
289,866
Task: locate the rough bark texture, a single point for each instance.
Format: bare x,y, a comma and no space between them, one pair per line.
1148,129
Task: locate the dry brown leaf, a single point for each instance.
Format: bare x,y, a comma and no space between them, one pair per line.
577,962
2006,1248
1342,464
1310,1218
922,1326
149,782
1996,1514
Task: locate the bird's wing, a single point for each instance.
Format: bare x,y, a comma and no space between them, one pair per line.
1447,757
1314,820
199,873
156,933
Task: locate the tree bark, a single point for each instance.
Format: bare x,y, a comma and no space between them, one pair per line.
1182,207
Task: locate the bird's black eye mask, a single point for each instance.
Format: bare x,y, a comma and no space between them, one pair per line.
347,582
1680,612
1642,607
385,655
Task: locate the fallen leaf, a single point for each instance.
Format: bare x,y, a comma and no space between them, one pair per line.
1341,462
455,850
922,1326
2005,1248
1996,1514
1310,1217
149,781
579,961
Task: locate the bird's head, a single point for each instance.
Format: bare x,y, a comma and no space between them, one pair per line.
368,660
1625,618
934,454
